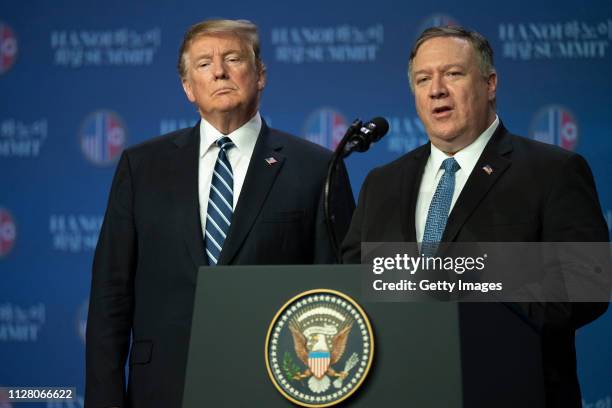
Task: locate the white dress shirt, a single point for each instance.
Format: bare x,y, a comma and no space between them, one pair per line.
244,139
467,159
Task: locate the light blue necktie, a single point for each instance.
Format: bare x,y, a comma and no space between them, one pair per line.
220,203
437,216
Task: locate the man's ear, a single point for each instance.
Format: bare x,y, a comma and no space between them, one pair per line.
492,85
188,90
261,80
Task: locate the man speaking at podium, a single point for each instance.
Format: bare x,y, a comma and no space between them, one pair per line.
476,182
228,191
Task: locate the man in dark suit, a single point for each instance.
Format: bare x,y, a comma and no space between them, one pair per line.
476,182
228,191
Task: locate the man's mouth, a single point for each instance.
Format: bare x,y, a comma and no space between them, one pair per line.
223,91
441,111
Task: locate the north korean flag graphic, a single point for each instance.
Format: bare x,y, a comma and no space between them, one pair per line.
8,232
568,130
8,48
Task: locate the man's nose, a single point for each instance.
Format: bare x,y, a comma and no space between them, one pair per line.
220,69
437,89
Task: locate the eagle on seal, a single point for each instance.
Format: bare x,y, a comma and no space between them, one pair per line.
317,345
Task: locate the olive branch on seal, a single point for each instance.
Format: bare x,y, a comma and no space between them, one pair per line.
289,367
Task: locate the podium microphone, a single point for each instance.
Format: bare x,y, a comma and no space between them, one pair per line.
358,138
364,135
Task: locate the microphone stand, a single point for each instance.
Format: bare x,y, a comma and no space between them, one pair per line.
339,154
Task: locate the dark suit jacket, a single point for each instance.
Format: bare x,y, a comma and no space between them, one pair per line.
151,244
536,192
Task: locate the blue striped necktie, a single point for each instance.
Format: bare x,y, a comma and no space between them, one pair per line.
220,203
437,216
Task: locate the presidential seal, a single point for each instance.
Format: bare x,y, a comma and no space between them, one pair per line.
319,348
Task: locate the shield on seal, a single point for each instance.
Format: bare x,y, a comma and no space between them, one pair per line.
318,362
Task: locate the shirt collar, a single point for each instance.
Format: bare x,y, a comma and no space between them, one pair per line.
469,155
244,137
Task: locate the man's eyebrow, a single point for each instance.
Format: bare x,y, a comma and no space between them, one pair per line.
233,51
206,54
202,55
442,68
420,71
454,65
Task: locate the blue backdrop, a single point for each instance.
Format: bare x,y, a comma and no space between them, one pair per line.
82,80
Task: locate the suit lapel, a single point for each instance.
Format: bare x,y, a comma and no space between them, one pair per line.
480,181
187,160
259,180
412,176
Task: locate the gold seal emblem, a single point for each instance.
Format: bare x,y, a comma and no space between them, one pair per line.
319,348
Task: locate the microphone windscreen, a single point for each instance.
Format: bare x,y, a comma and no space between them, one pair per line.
381,128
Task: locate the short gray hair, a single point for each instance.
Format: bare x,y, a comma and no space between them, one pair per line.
482,48
243,29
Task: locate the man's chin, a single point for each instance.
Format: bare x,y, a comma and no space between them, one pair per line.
443,136
224,109
446,142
